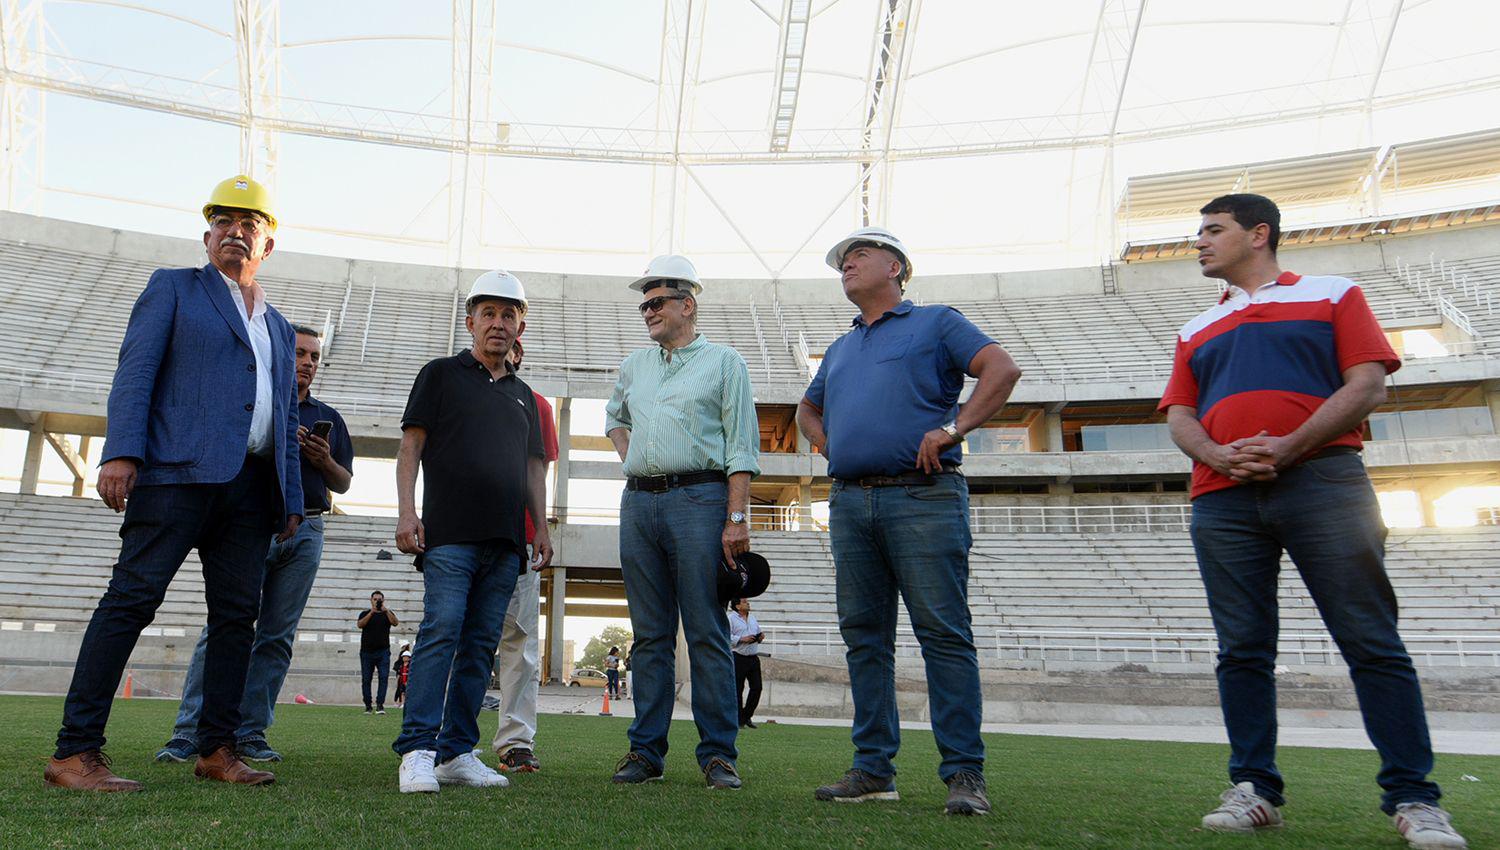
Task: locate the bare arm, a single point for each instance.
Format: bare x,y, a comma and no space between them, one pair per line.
1188,433
810,423
364,619
536,503
621,438
997,374
1362,392
736,536
411,538
391,615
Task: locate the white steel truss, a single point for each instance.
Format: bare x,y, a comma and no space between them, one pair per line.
21,106
257,31
887,71
472,88
788,78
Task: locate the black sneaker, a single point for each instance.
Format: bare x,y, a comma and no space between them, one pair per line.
519,760
748,725
635,769
720,775
966,795
257,750
178,750
858,786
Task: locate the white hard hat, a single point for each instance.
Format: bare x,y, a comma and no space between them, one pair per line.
877,235
669,267
496,284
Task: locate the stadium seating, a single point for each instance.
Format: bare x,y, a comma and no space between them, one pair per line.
72,333
56,554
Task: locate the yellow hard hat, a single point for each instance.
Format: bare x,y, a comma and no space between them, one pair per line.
240,193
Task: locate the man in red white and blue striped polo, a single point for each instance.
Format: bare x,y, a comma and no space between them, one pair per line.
1268,394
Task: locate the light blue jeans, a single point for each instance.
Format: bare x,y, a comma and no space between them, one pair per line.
913,541
468,587
670,549
290,569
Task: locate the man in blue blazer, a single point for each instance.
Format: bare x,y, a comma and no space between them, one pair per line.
201,452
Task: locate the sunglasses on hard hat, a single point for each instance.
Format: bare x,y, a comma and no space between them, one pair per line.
658,302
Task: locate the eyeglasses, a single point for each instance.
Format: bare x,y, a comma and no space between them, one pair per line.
249,223
660,301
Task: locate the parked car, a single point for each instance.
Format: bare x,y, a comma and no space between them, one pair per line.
586,676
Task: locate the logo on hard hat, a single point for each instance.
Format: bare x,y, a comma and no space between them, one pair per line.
241,184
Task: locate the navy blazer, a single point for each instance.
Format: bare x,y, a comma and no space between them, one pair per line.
183,393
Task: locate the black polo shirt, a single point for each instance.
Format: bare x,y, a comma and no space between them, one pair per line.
480,432
314,489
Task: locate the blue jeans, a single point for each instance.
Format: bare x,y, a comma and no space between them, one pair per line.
230,525
1324,514
468,588
290,569
913,540
372,662
670,550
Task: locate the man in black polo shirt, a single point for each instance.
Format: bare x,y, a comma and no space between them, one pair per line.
473,427
291,565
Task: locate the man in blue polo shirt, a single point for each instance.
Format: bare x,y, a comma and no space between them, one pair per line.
884,410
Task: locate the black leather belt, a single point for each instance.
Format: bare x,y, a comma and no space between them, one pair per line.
1332,451
663,483
915,478
312,512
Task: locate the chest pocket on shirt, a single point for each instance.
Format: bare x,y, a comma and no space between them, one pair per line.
894,349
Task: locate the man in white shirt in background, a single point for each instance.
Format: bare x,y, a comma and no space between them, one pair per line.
745,637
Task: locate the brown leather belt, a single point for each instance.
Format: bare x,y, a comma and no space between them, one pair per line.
915,478
663,483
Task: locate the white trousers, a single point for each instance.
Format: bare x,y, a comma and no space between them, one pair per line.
520,658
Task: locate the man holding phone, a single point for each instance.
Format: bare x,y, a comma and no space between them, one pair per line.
327,464
375,649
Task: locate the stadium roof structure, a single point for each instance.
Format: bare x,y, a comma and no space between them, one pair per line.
749,133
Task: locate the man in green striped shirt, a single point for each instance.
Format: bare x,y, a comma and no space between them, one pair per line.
683,420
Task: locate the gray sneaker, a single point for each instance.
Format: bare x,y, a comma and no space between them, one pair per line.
1426,827
858,786
966,795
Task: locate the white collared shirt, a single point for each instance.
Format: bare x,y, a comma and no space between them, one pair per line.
740,627
261,435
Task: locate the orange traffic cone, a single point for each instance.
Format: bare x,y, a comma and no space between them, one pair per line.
604,712
129,687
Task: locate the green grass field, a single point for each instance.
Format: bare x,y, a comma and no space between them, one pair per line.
337,788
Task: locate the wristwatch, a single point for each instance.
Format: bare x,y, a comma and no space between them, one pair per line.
736,517
951,429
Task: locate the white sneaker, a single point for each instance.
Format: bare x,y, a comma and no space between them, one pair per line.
416,772
467,769
1426,826
1242,810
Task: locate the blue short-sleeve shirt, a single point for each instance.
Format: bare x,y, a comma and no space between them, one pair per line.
882,386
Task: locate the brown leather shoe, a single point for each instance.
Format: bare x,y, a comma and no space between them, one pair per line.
223,765
86,771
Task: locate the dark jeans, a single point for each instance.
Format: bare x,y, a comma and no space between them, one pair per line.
747,669
290,569
612,682
231,526
912,542
1324,514
670,549
371,661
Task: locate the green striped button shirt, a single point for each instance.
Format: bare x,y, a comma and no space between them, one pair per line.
688,413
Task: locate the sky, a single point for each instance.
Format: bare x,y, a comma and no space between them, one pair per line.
592,73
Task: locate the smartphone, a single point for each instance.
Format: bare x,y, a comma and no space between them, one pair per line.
322,428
